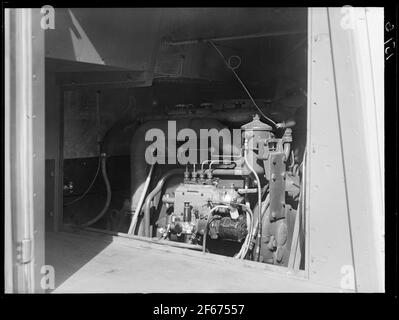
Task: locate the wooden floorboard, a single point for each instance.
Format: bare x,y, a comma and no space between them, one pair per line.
92,262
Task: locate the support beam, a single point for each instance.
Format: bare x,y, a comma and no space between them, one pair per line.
242,37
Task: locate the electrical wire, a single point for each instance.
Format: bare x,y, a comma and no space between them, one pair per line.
136,214
108,199
259,195
227,63
99,140
245,246
89,187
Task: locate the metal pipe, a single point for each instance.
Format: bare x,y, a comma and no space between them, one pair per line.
227,172
265,206
233,116
203,163
287,149
221,161
259,193
247,190
244,248
241,37
158,188
138,147
140,203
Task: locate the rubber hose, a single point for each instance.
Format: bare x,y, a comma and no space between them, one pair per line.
109,194
140,203
158,188
84,194
259,197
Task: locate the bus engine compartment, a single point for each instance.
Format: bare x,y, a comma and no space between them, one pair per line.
210,153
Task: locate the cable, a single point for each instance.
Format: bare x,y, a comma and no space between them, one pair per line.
151,195
140,203
245,246
89,187
99,141
107,201
228,64
259,194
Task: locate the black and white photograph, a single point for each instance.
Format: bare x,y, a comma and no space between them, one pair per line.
197,150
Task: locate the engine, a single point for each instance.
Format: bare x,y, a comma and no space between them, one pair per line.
247,203
192,214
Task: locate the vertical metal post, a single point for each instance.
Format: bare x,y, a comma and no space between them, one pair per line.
25,148
329,243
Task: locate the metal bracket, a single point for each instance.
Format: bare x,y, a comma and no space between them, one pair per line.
277,185
24,251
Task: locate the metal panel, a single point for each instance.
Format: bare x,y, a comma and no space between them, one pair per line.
326,210
25,153
50,194
119,37
360,149
9,259
343,204
38,146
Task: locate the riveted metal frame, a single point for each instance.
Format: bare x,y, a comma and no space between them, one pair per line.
24,154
